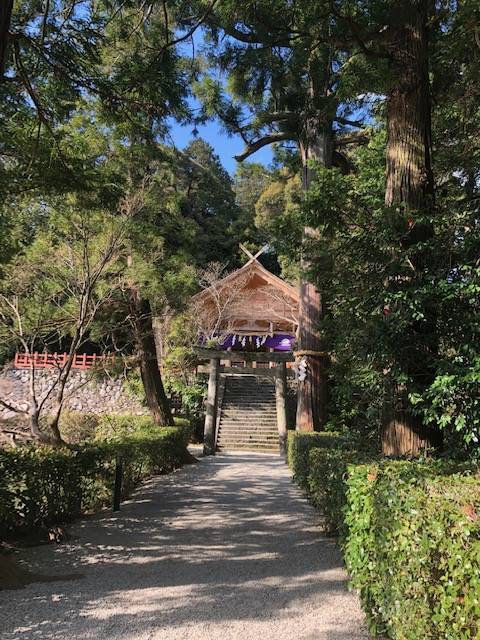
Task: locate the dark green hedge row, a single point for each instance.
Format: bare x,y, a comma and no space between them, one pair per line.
410,532
299,446
326,488
42,486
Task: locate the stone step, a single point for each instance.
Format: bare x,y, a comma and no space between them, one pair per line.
244,428
248,417
263,393
248,440
236,430
248,404
249,445
252,382
249,426
250,401
230,441
259,449
238,406
248,412
234,433
246,423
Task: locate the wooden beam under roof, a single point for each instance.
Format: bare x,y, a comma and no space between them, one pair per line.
249,356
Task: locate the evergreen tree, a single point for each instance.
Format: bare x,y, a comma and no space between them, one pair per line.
283,66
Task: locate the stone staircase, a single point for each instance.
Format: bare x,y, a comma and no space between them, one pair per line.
247,415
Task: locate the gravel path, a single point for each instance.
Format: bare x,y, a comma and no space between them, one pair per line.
225,549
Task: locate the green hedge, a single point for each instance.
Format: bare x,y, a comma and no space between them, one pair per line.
299,446
410,532
327,469
412,547
42,486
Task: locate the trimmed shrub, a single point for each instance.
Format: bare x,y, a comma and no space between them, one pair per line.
410,532
42,486
412,546
328,469
299,446
112,426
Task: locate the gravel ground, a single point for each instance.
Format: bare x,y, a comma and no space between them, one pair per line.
221,550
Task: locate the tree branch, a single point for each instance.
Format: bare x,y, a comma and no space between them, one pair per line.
6,7
10,407
356,137
252,38
349,123
262,142
192,30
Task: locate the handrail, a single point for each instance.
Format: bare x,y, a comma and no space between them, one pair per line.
59,360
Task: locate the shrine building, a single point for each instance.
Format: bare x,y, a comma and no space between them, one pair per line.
252,323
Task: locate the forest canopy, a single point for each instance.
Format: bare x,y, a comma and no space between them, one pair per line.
370,204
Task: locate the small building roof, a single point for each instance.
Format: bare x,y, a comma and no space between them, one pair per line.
253,301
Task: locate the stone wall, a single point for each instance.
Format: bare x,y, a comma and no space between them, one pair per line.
84,393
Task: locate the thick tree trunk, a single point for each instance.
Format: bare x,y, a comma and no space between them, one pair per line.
409,186
409,166
6,7
147,355
317,145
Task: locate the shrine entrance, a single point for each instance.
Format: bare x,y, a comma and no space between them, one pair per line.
276,373
254,315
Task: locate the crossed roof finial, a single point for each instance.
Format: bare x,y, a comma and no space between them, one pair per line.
252,258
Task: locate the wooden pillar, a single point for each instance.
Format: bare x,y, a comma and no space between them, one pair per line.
281,400
211,410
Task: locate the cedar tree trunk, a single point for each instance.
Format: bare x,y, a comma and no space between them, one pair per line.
409,185
317,145
147,355
409,166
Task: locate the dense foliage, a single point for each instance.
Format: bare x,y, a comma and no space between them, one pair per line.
378,333
40,486
300,445
410,535
412,547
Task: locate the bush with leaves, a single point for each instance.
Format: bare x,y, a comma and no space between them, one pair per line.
410,532
412,547
387,322
43,486
327,470
299,445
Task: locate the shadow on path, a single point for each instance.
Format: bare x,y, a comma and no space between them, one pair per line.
223,549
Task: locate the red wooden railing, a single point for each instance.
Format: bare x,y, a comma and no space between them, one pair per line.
58,360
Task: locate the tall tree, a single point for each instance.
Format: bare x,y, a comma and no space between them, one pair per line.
280,65
409,136
410,186
118,62
207,200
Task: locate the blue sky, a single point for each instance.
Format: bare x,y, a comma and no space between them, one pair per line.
226,147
